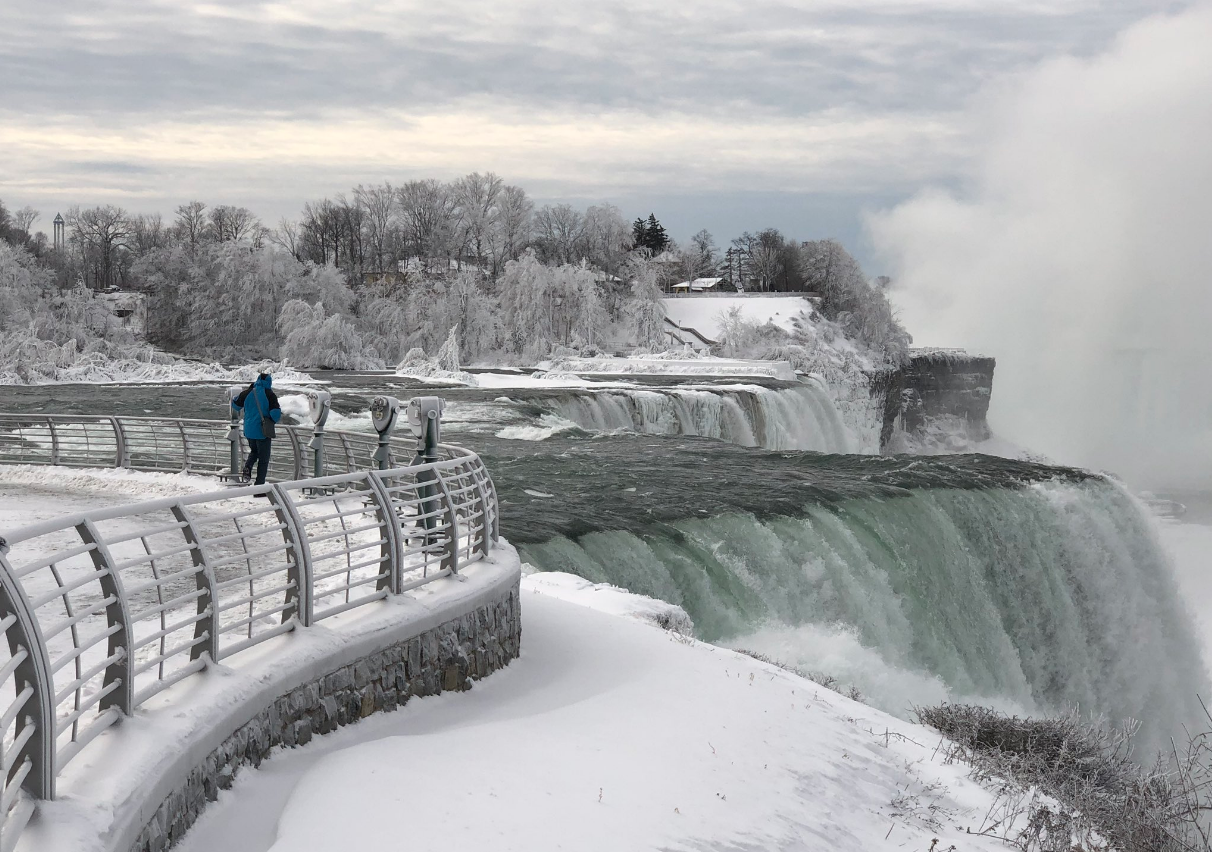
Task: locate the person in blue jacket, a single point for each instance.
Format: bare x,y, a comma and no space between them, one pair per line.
256,401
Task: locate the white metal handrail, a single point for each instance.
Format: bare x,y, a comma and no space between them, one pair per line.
103,610
172,445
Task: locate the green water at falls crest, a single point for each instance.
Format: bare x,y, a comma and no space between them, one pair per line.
1034,597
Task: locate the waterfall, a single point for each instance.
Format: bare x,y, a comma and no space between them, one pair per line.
797,418
1033,597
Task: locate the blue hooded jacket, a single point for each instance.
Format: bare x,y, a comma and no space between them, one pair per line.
268,403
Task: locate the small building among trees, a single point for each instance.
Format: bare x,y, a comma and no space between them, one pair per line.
698,285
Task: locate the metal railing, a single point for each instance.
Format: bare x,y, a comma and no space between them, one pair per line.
103,610
165,445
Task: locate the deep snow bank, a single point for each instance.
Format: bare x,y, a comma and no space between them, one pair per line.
144,365
611,734
671,366
705,314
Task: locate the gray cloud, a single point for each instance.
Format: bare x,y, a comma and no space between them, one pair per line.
721,105
135,56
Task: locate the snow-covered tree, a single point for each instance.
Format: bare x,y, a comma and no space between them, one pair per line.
854,303
313,339
645,310
545,306
560,234
448,355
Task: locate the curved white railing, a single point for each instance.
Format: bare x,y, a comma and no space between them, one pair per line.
171,445
104,609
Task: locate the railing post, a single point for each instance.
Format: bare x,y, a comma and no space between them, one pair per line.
496,507
205,579
50,424
296,451
450,559
233,432
184,446
121,453
117,613
300,566
33,672
351,462
484,545
386,512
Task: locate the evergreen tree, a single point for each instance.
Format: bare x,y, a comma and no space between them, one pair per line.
655,236
639,233
649,234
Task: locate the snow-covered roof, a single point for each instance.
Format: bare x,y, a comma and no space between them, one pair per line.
698,284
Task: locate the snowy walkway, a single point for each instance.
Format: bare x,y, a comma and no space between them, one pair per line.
608,734
30,493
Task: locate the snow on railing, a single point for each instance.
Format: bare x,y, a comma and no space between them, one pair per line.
105,609
165,445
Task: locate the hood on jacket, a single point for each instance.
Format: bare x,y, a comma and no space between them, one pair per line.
265,380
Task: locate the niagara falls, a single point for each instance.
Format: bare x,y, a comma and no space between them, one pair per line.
535,426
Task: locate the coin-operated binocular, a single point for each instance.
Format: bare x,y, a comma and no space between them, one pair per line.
425,417
384,414
319,404
233,431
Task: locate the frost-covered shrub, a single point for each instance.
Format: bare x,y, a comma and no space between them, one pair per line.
314,339
742,338
857,305
1095,793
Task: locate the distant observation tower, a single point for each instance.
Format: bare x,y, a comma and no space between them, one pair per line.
59,232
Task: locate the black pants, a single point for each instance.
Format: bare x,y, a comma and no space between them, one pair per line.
259,454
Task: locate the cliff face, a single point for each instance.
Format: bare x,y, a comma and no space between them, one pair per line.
938,391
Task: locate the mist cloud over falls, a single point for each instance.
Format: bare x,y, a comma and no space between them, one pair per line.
1079,253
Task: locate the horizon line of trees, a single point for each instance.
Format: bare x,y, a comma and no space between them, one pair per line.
421,226
415,248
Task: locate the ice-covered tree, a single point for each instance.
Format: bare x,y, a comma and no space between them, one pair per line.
313,339
645,310
849,299
190,224
448,355
544,306
607,238
101,237
512,232
559,234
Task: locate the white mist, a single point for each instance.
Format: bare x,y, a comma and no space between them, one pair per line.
1079,254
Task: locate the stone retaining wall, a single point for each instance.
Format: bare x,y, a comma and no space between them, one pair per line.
445,658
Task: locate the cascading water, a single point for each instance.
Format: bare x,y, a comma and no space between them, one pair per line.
1010,584
796,418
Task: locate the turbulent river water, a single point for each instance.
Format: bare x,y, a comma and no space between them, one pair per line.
917,579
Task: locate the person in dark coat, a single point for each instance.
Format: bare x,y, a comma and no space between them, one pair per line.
258,400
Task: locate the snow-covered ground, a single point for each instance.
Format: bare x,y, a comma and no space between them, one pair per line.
95,368
703,313
30,494
609,733
705,366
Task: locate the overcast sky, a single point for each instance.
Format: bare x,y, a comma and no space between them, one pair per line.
724,114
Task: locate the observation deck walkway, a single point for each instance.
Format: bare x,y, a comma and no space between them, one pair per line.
106,609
